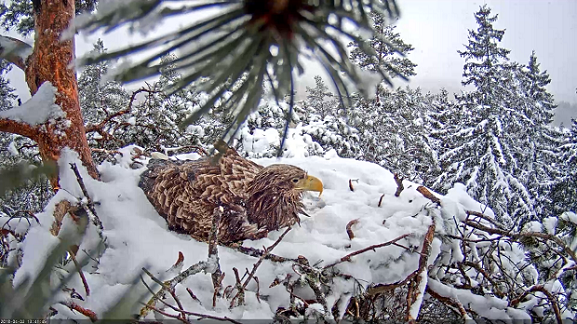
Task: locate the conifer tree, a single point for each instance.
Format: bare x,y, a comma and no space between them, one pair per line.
15,149
100,100
320,100
390,51
480,153
539,155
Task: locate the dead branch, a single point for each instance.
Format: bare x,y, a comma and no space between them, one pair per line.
415,284
381,199
84,311
258,263
200,316
192,295
370,248
90,204
400,187
158,296
178,317
213,247
79,269
427,194
239,289
350,225
381,288
258,253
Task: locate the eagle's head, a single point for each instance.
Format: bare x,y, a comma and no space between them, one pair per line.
275,194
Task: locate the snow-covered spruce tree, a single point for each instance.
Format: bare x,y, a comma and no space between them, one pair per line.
153,121
393,133
325,121
320,101
29,197
564,192
542,169
390,51
482,153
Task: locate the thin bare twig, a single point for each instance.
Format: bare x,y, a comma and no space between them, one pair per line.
381,199
79,269
350,225
201,316
370,248
84,311
90,203
258,263
217,274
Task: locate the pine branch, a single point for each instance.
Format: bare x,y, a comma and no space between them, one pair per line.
15,51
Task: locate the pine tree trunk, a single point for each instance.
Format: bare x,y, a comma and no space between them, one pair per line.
52,60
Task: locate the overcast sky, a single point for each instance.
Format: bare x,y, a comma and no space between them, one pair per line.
437,29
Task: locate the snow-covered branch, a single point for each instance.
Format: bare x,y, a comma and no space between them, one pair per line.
40,109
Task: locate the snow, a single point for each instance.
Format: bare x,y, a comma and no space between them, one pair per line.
41,108
136,236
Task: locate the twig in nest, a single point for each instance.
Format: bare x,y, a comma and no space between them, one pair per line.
79,269
84,311
258,253
90,203
178,317
427,194
415,288
351,185
350,228
213,247
201,316
381,199
192,295
158,295
258,263
370,248
400,187
216,291
257,288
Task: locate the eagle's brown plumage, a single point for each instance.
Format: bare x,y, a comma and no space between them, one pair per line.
255,199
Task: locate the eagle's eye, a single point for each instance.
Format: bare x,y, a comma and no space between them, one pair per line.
295,180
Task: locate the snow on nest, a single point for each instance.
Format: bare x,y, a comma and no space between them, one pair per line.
137,236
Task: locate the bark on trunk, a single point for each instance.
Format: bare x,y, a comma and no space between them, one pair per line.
52,61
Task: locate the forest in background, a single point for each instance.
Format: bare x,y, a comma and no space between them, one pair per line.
497,139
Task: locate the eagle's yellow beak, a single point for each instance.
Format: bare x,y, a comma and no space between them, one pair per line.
310,183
